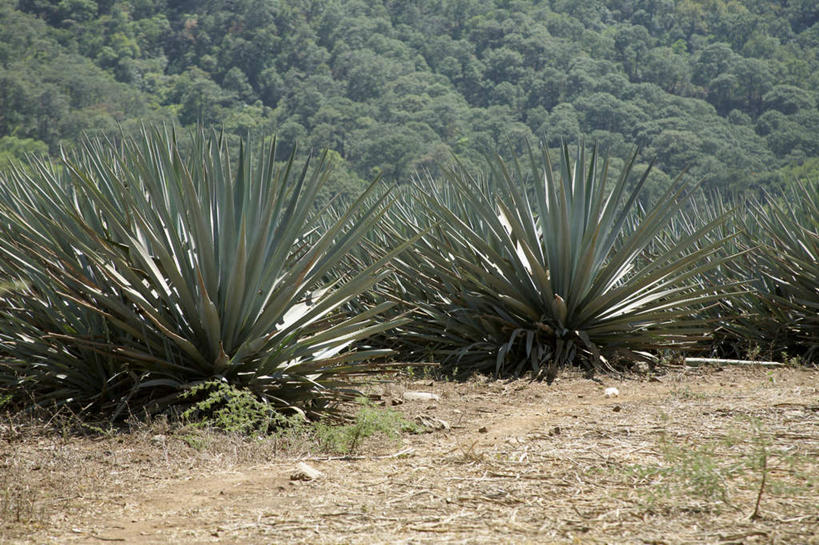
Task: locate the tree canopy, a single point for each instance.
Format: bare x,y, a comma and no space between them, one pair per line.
724,87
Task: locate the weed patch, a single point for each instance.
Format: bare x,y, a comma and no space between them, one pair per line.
369,421
227,408
716,472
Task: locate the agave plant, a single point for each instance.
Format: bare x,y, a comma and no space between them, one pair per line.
538,268
405,220
151,271
786,296
777,313
726,314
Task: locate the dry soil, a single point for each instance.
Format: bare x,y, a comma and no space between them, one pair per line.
673,459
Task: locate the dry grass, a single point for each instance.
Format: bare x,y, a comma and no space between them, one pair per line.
673,461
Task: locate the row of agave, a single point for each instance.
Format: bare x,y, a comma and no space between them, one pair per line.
138,270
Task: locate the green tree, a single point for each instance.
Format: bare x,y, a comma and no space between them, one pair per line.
200,98
76,11
13,149
788,99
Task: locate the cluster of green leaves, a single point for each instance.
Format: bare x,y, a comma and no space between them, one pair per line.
725,87
149,271
221,406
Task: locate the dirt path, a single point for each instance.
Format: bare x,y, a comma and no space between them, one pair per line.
669,461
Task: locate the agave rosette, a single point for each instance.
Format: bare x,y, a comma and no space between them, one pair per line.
788,261
542,267
182,268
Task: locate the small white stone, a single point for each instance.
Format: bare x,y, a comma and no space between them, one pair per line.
611,392
420,396
305,472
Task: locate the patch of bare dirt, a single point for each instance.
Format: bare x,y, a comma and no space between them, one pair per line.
674,460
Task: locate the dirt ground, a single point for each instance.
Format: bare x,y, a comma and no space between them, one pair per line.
678,458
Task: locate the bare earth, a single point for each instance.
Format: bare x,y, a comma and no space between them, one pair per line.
671,460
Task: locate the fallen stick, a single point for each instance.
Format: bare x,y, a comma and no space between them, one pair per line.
694,362
406,452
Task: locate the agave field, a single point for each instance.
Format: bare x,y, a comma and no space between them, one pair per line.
173,280
138,270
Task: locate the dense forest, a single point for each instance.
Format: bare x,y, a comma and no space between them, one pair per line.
726,88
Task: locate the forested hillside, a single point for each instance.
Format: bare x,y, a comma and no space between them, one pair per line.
727,88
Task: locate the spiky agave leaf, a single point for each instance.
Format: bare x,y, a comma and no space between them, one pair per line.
544,267
182,269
